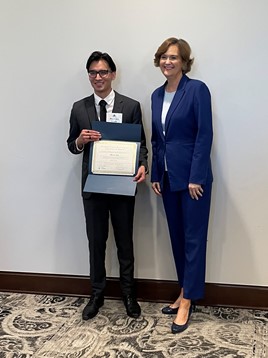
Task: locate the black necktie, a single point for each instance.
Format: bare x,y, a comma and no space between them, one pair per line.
102,105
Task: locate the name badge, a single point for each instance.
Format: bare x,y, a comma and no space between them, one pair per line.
114,117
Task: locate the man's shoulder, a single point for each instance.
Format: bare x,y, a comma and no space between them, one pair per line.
81,102
121,97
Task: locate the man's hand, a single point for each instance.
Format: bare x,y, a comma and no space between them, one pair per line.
87,135
195,191
140,176
156,188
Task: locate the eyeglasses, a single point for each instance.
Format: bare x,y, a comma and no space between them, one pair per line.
171,58
101,73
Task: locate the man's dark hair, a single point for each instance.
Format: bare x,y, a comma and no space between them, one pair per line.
97,56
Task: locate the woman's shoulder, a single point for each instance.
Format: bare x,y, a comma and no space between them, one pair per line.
159,90
196,87
192,82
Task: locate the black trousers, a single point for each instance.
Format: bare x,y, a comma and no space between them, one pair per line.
120,208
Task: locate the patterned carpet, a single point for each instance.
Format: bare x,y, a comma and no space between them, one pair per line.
51,326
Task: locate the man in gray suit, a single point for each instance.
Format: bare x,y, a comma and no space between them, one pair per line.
98,207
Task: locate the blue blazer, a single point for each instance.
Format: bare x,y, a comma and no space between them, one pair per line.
187,142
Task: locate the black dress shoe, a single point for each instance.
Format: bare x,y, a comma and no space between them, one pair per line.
132,307
178,328
169,310
92,308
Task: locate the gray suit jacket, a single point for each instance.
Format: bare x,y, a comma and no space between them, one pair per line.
84,113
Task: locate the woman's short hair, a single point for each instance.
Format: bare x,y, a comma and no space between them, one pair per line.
184,49
97,56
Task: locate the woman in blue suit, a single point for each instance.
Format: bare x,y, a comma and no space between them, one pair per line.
181,170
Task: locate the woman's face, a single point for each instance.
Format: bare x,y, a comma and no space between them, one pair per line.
171,63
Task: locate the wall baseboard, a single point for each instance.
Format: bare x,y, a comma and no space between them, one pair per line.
240,296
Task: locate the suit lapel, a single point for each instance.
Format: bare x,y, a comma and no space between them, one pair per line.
118,104
176,100
91,109
157,109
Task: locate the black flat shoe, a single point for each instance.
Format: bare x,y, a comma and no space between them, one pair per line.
178,328
132,307
92,308
169,310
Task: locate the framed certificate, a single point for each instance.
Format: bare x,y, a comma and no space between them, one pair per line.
114,160
114,157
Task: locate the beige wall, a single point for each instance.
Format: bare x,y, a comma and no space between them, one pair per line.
44,47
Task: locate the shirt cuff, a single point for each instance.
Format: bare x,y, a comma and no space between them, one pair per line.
79,150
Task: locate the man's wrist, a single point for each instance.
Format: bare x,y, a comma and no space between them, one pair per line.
80,148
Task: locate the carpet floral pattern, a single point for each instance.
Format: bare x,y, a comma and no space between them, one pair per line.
35,326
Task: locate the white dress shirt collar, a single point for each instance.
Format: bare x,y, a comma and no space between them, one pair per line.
109,99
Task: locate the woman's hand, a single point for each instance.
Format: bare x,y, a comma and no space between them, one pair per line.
195,191
156,188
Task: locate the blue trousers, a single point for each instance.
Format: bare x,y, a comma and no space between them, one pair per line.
187,220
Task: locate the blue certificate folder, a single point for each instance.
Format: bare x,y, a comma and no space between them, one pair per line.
114,184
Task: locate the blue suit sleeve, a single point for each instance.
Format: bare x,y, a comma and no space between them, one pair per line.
201,155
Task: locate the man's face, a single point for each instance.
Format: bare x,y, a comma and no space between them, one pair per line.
102,85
